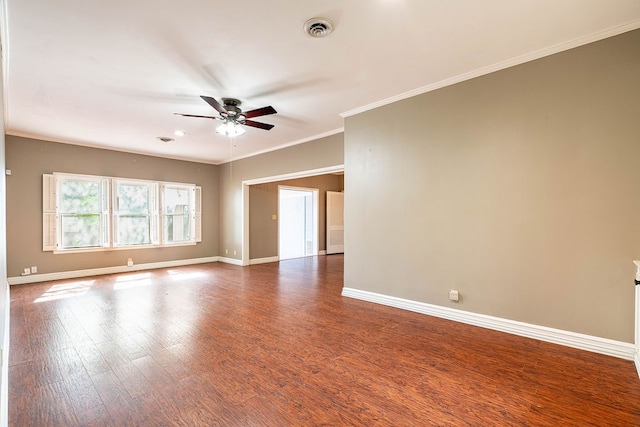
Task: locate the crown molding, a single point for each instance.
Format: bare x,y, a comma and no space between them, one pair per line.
521,59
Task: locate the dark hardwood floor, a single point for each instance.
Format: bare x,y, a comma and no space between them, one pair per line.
276,345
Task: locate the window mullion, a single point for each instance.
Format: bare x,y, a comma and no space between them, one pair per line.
161,218
105,217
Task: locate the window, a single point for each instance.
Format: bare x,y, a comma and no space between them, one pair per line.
135,214
176,213
83,211
97,213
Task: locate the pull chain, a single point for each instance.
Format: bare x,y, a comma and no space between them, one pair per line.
231,145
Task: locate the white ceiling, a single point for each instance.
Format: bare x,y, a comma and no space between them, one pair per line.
112,73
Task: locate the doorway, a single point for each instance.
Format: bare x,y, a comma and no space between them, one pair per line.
272,178
297,222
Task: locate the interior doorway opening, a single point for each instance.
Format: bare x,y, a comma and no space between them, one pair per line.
297,222
336,169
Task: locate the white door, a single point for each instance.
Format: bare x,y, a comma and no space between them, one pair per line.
637,325
298,222
335,222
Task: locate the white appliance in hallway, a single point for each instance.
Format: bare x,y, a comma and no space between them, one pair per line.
335,222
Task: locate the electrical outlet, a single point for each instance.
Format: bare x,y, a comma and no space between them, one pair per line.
130,262
226,251
235,252
34,269
26,271
454,295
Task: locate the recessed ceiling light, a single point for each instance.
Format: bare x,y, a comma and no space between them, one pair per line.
179,133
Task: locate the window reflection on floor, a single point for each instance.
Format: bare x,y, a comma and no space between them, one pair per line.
181,275
66,290
132,281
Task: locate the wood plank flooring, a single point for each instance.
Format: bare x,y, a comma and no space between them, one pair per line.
276,345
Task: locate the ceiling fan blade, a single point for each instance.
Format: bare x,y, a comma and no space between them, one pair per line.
258,125
193,115
215,104
259,112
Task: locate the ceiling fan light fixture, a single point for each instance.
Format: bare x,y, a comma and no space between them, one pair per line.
230,128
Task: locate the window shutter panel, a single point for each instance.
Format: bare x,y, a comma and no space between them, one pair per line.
49,223
198,213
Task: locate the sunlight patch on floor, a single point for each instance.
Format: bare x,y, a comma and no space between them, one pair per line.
132,281
179,275
65,290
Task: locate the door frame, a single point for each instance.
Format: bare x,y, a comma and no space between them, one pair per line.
636,356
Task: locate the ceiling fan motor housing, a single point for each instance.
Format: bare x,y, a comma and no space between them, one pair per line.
232,106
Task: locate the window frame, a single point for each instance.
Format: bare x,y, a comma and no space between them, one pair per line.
52,222
102,212
164,216
151,212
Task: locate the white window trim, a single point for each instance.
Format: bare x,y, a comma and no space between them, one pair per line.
50,214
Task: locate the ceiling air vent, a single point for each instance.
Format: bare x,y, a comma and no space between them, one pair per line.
318,27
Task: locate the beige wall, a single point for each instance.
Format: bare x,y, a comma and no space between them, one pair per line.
263,204
519,189
29,159
320,153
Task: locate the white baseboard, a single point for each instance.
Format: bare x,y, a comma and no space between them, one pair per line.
605,346
636,360
274,259
230,260
4,360
264,260
62,275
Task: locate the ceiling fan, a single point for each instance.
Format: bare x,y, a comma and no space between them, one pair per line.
232,116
